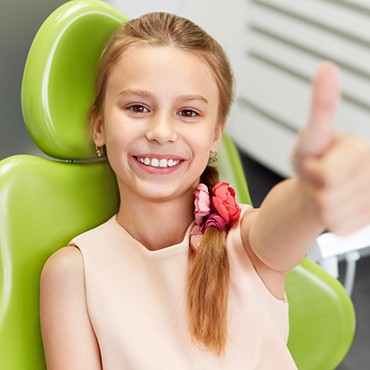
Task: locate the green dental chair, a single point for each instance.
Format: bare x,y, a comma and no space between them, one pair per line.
45,202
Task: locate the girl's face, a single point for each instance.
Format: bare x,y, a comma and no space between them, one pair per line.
160,121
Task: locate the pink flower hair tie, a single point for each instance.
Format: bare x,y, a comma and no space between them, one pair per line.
218,210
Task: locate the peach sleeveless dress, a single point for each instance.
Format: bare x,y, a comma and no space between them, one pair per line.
136,300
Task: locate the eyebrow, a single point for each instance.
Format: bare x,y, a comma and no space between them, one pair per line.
142,93
187,98
148,94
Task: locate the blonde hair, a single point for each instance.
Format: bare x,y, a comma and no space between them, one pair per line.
209,276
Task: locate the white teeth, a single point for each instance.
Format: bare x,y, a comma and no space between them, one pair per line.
155,162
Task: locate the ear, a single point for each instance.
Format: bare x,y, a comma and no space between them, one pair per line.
219,131
98,132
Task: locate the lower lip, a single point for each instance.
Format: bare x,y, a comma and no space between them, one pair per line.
158,170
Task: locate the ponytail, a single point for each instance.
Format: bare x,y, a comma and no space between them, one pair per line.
210,176
208,288
208,291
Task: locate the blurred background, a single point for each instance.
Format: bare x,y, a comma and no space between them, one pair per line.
275,47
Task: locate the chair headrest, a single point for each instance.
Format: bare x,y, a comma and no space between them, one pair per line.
59,76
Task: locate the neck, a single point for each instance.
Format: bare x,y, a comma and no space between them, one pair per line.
156,224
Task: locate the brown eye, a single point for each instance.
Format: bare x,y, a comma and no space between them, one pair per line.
137,108
188,113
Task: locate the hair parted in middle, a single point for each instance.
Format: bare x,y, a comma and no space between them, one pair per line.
209,276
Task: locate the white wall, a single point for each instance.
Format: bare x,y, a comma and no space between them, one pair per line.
135,8
226,21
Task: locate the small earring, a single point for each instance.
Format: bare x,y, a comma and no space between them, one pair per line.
213,157
99,151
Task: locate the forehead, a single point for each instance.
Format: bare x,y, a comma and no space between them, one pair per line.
163,67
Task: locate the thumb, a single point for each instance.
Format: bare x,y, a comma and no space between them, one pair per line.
317,136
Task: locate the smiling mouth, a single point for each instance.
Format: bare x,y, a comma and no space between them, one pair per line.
158,163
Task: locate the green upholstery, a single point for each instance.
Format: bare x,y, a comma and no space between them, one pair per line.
44,203
322,318
59,76
231,169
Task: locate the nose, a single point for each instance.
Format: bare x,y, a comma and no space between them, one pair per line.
161,129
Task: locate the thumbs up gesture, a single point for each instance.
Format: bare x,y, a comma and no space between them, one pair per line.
333,167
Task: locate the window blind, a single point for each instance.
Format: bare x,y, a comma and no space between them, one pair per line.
285,41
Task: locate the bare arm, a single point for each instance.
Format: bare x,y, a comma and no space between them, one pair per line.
331,190
68,337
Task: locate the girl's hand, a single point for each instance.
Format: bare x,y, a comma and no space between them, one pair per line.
333,167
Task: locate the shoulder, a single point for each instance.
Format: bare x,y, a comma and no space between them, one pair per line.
66,264
68,337
62,285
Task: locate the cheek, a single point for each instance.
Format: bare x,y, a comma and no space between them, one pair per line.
117,144
212,136
119,132
202,144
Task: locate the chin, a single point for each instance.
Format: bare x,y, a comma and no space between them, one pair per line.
165,191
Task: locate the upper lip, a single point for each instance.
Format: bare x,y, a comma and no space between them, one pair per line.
159,156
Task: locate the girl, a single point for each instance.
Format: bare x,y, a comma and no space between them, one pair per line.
183,277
